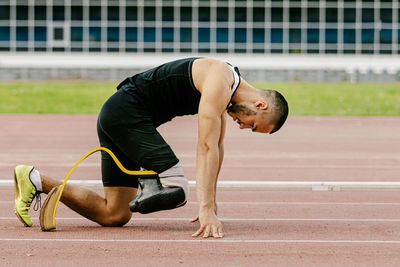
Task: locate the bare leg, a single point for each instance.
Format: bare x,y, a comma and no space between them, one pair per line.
113,210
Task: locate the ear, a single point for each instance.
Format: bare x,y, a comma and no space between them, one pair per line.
261,104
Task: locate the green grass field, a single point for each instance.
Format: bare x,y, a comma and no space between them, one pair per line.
304,99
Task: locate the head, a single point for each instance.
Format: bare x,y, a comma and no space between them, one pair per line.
267,114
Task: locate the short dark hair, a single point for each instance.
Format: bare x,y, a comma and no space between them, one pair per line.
279,107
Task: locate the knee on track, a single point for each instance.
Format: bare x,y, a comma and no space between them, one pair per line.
116,220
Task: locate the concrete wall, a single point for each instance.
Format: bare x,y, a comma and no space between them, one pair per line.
287,68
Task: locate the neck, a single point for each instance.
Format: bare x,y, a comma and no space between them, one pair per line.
245,93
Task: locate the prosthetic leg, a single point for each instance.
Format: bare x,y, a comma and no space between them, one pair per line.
153,196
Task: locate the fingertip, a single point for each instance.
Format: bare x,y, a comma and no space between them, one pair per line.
194,219
196,234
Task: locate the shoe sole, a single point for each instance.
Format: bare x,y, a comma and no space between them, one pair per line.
16,196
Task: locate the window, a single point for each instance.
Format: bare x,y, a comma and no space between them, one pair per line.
331,15
258,35
312,36
22,12
276,36
258,14
385,36
349,36
168,34
186,14
222,35
398,39
149,34
112,34
94,13
113,13
222,14
77,13
331,36
131,13
131,34
95,34
240,14
367,15
349,15
313,14
149,13
204,14
58,13
40,34
40,13
386,15
4,33
168,13
4,12
186,35
22,33
276,14
240,35
295,14
204,35
58,34
76,34
367,36
294,36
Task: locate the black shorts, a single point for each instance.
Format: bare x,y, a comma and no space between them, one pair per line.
124,127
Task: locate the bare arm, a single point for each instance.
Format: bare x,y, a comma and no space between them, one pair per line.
221,157
221,141
207,163
215,95
221,153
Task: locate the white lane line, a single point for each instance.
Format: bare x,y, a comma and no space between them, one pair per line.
223,240
272,203
272,185
305,203
150,219
281,203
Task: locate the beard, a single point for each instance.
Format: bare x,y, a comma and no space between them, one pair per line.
241,110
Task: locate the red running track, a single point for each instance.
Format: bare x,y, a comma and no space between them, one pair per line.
300,228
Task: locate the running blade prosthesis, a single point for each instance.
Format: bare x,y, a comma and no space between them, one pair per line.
48,210
154,197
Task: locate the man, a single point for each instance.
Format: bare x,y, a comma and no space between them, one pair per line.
127,126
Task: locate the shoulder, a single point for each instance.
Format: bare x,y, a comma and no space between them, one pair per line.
214,79
209,65
206,71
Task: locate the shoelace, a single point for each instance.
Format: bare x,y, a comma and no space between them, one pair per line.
38,201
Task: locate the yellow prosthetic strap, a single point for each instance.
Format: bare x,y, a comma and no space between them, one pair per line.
122,168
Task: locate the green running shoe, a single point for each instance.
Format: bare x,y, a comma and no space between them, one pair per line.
24,193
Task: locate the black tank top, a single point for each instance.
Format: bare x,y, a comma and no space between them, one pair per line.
167,90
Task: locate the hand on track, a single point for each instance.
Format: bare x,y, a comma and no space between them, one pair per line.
195,219
210,226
